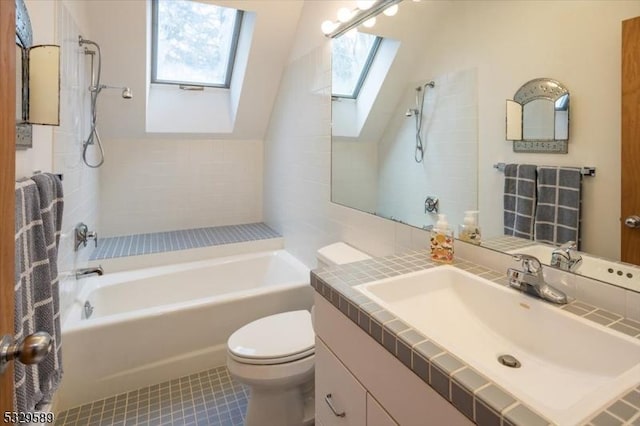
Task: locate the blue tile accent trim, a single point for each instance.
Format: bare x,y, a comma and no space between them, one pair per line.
159,242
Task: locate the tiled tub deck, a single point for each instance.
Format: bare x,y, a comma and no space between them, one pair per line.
471,393
160,242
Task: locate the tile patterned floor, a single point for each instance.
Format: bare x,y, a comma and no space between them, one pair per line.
158,242
208,398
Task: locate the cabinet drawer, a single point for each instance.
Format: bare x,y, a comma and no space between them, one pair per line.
336,387
376,415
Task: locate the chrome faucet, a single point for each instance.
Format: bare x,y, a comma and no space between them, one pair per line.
87,272
531,280
566,257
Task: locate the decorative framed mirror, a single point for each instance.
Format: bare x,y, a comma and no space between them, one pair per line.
24,40
538,117
37,81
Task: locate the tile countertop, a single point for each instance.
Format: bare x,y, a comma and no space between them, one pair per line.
470,392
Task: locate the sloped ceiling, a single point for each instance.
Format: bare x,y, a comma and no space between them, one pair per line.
120,27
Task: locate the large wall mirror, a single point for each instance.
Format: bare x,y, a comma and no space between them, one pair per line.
478,54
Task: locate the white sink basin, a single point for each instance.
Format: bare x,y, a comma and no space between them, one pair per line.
571,367
593,267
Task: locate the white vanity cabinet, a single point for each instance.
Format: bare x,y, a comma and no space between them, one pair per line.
367,383
376,415
340,398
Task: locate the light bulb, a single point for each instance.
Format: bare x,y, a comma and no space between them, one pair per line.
391,10
327,27
344,14
365,4
369,22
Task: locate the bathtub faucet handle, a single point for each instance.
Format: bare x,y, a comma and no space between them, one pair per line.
93,235
83,235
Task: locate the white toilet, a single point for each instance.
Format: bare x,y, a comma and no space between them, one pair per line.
274,356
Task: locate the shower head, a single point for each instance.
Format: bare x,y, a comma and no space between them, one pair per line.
411,112
82,41
126,91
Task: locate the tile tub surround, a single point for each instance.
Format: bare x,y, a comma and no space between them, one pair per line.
211,397
160,242
473,394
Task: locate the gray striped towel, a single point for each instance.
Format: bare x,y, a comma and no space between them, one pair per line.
38,222
559,198
519,200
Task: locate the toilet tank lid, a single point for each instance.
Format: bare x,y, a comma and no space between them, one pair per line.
339,254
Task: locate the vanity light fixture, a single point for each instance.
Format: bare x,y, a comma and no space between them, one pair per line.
365,14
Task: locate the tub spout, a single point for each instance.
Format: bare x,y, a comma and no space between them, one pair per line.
87,272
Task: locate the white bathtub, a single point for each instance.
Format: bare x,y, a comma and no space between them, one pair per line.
155,324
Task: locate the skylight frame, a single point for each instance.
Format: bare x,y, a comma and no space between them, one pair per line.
363,74
231,59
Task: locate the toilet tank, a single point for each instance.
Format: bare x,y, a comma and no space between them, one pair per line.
339,254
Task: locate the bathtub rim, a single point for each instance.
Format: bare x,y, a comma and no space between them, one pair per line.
74,323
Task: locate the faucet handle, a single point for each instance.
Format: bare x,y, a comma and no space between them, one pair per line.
92,235
569,245
531,264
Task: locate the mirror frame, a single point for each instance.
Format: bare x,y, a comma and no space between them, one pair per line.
24,39
536,89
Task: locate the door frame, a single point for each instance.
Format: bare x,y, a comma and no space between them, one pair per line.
630,139
7,185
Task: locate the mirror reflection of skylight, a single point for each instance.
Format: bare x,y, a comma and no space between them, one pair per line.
194,42
352,55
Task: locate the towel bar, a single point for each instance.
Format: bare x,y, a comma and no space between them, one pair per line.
584,171
26,178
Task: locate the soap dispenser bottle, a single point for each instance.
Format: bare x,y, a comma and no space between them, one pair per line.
469,230
442,241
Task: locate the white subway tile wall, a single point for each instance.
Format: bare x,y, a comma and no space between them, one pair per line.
80,183
164,185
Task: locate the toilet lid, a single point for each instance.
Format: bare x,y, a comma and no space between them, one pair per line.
282,337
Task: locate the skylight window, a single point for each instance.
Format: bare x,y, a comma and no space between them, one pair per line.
194,43
352,55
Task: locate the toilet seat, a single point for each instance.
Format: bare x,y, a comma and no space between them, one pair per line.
276,339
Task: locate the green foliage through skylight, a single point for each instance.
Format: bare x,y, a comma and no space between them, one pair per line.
352,54
194,43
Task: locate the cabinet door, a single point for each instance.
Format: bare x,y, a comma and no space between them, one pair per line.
376,415
340,399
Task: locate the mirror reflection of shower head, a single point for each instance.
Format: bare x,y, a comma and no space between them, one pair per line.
126,91
82,41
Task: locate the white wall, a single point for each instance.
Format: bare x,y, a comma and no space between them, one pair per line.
58,149
161,185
